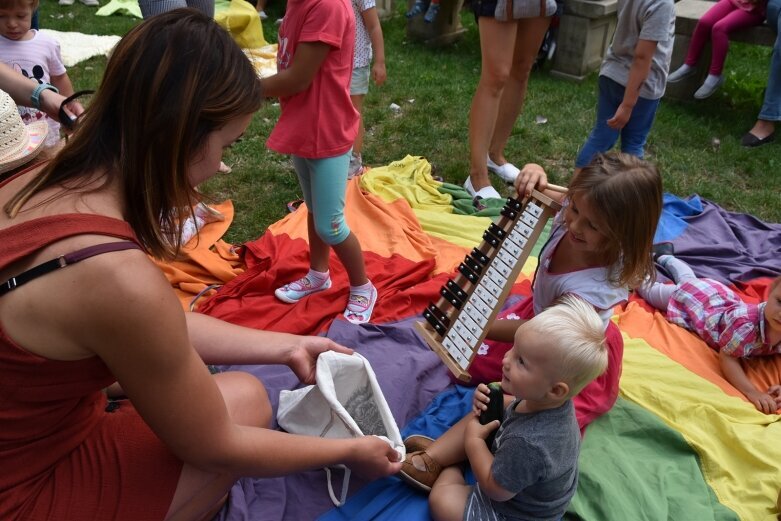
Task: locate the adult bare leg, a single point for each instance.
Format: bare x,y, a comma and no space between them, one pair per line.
200,494
528,39
497,44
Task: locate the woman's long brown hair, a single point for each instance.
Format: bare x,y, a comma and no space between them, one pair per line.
170,81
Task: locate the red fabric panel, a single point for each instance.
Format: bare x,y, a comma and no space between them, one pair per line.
404,287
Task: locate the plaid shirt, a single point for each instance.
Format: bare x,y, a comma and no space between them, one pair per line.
718,316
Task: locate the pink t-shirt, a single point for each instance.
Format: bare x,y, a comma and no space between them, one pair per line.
321,121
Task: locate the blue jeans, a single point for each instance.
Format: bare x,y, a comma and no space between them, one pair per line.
633,135
771,107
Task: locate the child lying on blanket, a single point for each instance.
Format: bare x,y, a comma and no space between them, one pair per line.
732,327
599,247
531,469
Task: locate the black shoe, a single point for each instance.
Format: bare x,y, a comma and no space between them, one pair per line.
662,248
750,140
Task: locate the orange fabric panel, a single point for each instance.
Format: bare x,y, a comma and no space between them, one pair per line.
639,320
205,260
385,229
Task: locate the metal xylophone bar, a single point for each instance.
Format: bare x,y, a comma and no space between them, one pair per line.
457,324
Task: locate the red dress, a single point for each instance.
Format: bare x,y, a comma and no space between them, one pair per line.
63,455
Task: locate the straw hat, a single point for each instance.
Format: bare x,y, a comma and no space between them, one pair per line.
19,143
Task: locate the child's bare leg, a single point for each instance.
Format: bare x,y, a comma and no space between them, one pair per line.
349,252
448,449
449,495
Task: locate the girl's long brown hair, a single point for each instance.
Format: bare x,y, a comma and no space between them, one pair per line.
170,81
627,193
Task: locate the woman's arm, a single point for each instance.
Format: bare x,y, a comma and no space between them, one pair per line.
135,324
298,77
220,342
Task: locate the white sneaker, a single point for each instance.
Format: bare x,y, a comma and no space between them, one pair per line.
263,15
66,2
711,85
508,171
489,192
90,3
684,71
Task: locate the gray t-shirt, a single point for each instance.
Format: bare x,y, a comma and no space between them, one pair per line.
642,20
536,457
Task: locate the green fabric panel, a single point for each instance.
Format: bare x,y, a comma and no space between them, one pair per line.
633,466
462,202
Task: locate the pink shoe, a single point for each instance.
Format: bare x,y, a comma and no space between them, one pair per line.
359,308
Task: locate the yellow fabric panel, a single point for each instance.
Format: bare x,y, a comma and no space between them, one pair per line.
738,446
241,20
410,179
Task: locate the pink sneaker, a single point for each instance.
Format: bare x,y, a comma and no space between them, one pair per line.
359,308
295,291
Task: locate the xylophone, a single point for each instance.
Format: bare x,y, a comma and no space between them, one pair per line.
457,324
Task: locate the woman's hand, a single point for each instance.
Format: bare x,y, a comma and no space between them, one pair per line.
303,357
532,176
373,458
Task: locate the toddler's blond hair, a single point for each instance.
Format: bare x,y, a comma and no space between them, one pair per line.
577,334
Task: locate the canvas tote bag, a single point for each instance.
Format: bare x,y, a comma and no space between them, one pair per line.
345,402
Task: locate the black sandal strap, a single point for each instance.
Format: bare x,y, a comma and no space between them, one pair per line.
63,116
64,260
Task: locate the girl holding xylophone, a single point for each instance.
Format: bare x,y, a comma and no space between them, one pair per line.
599,248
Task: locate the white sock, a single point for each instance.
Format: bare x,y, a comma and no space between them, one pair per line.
318,278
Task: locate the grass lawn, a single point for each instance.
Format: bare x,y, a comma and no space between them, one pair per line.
696,145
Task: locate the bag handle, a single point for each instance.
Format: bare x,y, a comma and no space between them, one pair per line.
345,485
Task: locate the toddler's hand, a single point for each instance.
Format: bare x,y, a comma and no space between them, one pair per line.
531,176
475,430
480,399
764,402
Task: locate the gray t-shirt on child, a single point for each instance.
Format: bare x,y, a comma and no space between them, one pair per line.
642,20
536,457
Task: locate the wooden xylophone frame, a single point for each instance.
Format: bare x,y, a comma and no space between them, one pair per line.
457,324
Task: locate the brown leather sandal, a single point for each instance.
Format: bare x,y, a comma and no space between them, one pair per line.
417,442
420,479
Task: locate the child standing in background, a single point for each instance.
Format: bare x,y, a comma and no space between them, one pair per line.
368,38
723,18
732,327
531,469
35,55
632,78
599,247
318,126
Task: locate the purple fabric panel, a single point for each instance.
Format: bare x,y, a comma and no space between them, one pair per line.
408,372
729,247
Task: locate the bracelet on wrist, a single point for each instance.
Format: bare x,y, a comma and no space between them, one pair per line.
35,97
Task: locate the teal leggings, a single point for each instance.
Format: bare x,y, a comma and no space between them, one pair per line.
324,182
